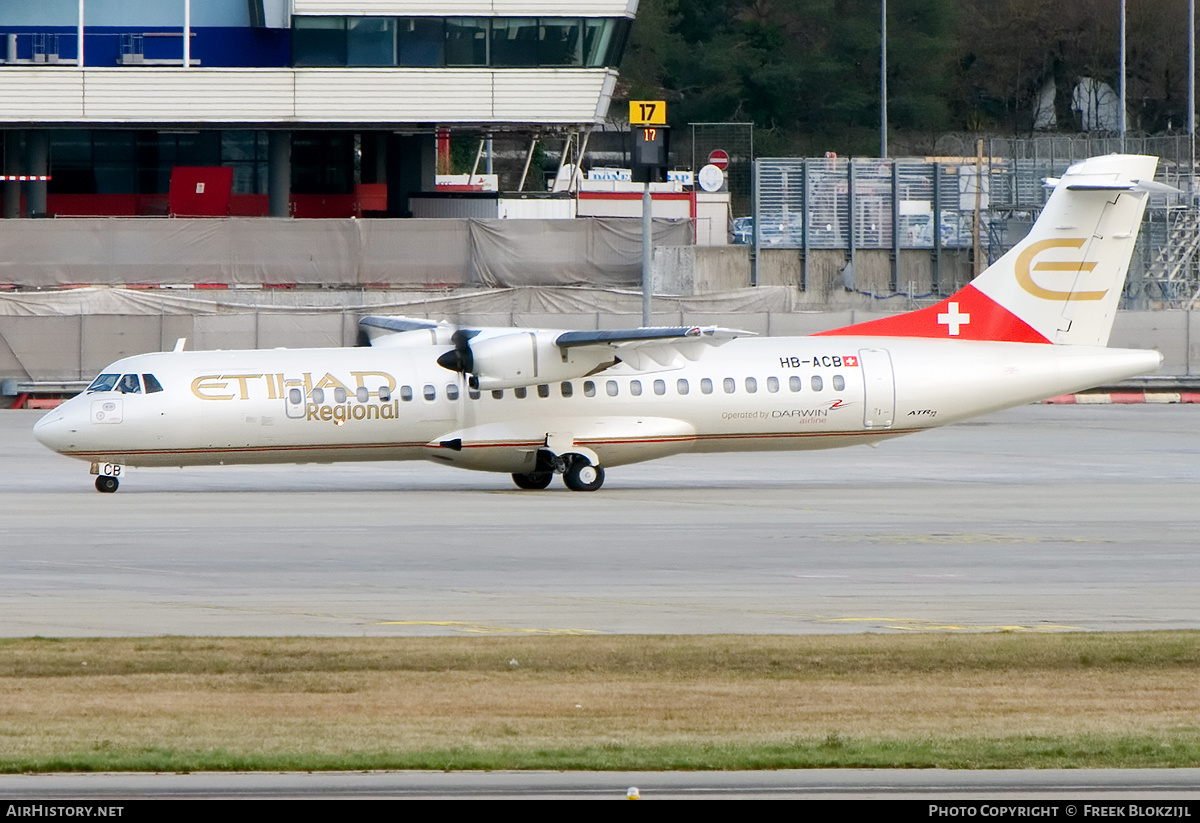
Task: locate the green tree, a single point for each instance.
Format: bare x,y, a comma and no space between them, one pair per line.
807,74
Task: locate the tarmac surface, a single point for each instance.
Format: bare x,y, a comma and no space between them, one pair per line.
1042,518
1012,788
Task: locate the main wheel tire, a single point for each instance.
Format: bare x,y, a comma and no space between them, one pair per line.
582,476
105,484
533,480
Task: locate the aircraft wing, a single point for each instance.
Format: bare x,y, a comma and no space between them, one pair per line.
407,331
498,358
651,348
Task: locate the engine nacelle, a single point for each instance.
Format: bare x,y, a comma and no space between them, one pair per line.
526,358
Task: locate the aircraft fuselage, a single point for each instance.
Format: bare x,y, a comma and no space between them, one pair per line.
326,405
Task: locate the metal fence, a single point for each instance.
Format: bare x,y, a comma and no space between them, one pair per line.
835,203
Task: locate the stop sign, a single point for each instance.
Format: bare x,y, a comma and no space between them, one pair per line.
719,158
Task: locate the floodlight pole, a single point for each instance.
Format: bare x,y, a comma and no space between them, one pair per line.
647,256
1121,111
1192,102
883,120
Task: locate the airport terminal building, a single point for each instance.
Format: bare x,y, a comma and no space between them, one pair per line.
304,100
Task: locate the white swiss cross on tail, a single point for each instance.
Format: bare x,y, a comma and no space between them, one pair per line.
953,320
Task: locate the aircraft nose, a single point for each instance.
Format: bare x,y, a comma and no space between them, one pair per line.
53,431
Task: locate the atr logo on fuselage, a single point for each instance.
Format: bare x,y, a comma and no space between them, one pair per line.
1024,273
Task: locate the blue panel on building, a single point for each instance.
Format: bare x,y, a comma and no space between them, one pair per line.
212,46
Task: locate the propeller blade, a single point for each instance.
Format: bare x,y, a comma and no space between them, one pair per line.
459,358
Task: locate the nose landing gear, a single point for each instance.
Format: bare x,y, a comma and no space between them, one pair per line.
105,484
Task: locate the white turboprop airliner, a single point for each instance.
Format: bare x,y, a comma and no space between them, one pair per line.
534,403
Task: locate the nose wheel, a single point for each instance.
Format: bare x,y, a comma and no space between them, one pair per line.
108,485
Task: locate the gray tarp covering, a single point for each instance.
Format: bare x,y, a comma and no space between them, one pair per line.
602,252
73,333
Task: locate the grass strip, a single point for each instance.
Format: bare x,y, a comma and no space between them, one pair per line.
601,702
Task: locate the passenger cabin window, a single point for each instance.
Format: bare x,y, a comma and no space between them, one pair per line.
543,389
295,397
635,388
521,392
451,391
567,389
406,393
318,395
362,394
612,388
751,385
429,392
660,387
772,384
152,384
706,386
839,383
794,383
474,394
729,385
497,394
339,395
682,386
817,383
385,394
589,388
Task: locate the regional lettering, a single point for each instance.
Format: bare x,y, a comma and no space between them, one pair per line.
342,413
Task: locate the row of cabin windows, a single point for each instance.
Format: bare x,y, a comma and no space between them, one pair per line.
611,387
131,384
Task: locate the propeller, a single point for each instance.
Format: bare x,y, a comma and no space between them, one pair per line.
459,358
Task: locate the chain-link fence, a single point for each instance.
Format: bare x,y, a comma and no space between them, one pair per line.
736,140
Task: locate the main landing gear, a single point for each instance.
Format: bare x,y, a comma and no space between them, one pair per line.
533,480
579,473
582,476
105,484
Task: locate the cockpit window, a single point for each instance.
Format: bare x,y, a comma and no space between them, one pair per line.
129,384
104,382
152,384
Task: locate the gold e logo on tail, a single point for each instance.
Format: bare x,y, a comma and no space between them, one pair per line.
1025,274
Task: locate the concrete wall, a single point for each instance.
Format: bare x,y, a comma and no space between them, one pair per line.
727,268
